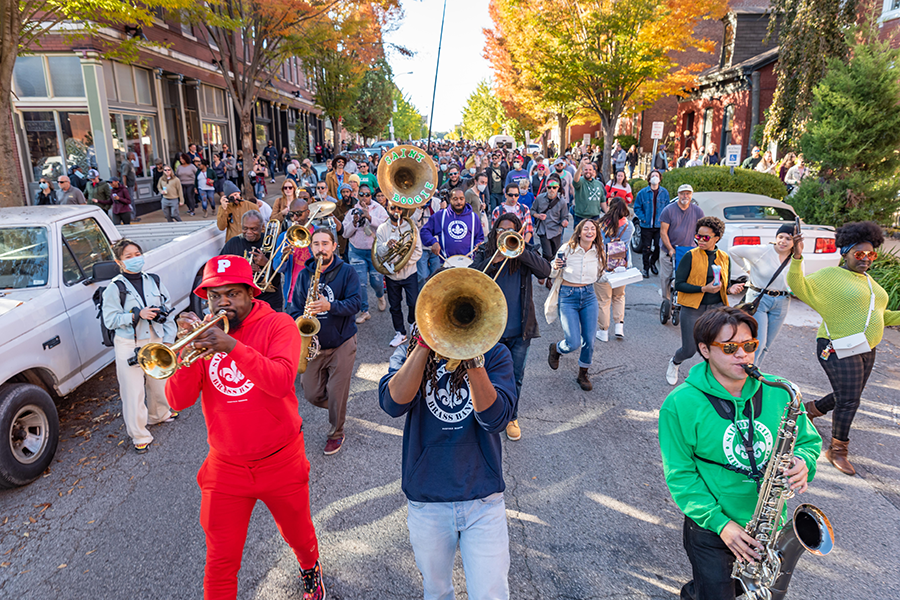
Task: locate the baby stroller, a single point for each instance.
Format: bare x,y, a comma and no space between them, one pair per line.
670,308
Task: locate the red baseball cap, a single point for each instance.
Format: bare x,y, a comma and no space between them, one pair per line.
226,270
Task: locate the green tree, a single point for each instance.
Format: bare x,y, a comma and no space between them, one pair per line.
23,26
810,34
852,137
409,123
484,114
374,102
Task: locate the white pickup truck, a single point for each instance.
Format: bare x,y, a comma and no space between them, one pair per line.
52,260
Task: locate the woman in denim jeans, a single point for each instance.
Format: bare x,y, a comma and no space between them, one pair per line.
584,264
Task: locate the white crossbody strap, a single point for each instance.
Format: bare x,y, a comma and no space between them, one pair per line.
871,309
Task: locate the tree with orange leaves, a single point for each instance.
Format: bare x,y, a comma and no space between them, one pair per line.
606,56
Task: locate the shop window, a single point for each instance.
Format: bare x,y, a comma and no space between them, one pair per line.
65,76
43,145
78,140
28,77
213,137
109,78
135,133
142,81
124,83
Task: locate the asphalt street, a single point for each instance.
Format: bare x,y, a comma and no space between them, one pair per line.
589,514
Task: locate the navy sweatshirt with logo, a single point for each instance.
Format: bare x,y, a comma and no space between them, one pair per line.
340,285
450,452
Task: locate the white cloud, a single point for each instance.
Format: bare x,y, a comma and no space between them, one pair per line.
462,63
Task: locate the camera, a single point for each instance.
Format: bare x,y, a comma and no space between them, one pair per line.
358,213
444,195
162,315
133,360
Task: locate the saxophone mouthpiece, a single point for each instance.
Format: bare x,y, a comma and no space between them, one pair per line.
752,371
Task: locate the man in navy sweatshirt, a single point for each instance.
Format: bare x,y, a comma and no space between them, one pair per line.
452,467
326,382
454,230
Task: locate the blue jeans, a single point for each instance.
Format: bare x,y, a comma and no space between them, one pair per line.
361,261
578,310
427,266
770,316
207,196
518,347
479,528
259,190
272,169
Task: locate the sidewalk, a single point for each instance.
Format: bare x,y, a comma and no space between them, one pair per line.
273,189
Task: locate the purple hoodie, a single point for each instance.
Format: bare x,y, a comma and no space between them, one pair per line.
457,234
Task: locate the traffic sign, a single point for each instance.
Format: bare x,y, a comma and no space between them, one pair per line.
733,155
656,133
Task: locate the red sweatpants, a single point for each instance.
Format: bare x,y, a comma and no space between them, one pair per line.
229,492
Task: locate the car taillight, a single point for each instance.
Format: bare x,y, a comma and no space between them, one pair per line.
825,246
746,240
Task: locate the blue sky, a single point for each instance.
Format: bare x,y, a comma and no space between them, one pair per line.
462,64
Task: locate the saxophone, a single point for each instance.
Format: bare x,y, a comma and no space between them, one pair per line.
809,529
308,324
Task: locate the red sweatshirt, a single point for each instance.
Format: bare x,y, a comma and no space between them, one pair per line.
249,400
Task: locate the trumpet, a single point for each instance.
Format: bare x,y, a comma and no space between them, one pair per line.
296,236
160,361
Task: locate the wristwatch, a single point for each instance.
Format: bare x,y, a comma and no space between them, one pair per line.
474,363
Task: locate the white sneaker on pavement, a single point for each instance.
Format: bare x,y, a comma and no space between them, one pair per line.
363,317
672,372
620,331
399,338
602,335
382,304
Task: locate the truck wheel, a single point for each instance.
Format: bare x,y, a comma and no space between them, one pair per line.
199,306
30,424
637,246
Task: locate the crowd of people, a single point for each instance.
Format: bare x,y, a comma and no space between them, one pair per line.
454,418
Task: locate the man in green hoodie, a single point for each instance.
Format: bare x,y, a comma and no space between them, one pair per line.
706,426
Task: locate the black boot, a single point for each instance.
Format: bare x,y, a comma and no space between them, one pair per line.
645,274
583,379
654,269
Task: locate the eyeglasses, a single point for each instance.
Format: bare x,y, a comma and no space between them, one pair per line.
297,214
452,173
365,195
321,187
512,195
749,346
553,186
288,187
865,255
703,238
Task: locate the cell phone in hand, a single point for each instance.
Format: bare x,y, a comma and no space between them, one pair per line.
796,225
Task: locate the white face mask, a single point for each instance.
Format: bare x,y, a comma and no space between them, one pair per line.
654,180
482,187
472,171
443,167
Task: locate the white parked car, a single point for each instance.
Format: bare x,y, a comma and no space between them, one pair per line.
752,219
52,261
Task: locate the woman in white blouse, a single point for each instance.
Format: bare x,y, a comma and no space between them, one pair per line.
583,264
761,263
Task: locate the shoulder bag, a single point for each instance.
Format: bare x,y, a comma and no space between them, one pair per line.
851,345
750,307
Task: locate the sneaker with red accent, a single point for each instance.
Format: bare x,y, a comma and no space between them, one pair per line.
313,585
333,445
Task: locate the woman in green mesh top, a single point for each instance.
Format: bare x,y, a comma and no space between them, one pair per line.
843,296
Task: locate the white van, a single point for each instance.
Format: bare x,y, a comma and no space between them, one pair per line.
501,141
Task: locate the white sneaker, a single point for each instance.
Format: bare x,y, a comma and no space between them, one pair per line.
620,331
382,304
363,317
602,335
399,338
672,372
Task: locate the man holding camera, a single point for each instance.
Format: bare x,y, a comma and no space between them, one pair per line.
360,225
231,209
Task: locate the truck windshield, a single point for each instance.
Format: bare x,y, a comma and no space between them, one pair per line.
24,257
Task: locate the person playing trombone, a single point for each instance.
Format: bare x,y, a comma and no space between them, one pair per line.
514,279
249,245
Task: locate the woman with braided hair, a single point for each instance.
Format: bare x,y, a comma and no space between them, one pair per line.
452,463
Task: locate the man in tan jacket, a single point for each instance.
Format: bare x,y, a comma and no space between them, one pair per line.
231,208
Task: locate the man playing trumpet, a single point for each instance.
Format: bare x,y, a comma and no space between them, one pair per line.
250,406
406,280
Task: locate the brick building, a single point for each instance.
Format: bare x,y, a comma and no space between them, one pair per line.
70,106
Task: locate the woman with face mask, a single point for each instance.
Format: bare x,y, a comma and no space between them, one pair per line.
44,195
764,264
135,307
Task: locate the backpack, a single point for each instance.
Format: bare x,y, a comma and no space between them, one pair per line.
108,336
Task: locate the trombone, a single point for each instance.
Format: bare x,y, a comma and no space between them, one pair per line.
511,244
160,361
296,236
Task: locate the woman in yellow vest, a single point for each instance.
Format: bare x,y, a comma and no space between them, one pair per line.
701,281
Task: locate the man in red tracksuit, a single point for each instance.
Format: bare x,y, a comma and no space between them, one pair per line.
256,446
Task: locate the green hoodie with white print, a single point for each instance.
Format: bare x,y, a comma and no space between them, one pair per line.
690,427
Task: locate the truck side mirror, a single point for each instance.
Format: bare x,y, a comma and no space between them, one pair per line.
103,271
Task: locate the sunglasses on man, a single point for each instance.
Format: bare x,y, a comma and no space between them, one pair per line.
299,214
512,195
749,346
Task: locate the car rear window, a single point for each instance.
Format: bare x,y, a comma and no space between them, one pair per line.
753,212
